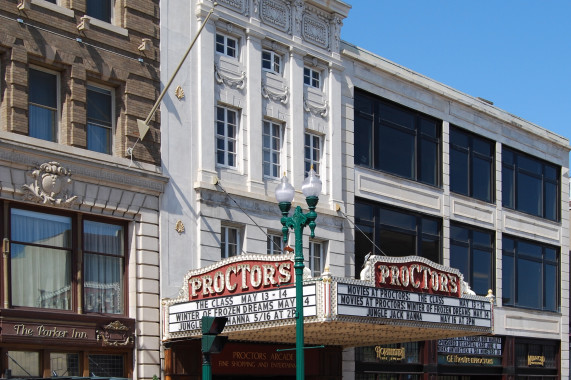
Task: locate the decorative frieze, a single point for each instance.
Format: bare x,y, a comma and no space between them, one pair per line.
276,13
271,93
240,6
233,82
315,31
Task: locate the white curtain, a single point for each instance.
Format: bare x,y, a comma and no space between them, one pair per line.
103,267
40,260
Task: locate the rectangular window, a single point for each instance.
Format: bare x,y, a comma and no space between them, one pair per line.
271,62
44,256
103,258
99,119
99,9
316,258
43,104
275,244
64,363
530,184
230,242
312,152
471,165
311,77
396,232
530,274
24,363
226,136
272,144
397,140
472,252
106,365
227,45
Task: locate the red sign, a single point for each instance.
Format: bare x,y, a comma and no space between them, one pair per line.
417,277
240,277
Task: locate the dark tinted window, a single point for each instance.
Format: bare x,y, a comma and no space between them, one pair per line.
530,185
396,139
471,165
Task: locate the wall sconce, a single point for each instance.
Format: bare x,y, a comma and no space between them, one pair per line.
84,24
145,44
24,5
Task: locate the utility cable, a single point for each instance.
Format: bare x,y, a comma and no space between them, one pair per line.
248,215
361,231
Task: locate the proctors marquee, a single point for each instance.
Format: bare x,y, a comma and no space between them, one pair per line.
397,299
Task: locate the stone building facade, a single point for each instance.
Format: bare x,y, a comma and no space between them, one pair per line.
409,167
79,190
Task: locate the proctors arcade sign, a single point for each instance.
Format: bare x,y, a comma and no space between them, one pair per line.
396,299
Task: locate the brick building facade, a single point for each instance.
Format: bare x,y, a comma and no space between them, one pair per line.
79,191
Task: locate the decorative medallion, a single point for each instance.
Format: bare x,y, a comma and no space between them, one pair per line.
51,181
114,334
277,14
179,92
179,227
221,77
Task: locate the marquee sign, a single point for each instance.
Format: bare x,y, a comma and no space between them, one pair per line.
257,294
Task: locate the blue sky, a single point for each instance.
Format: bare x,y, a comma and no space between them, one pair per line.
516,53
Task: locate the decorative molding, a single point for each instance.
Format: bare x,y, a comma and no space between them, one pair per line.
336,23
276,13
239,82
240,6
51,181
315,31
315,109
268,93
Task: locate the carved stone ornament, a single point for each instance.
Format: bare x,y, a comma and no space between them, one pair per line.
316,109
51,181
240,6
179,92
277,14
315,31
221,77
114,334
268,93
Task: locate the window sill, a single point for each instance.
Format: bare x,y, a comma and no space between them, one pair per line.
107,26
53,7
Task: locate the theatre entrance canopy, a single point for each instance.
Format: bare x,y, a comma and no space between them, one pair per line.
397,299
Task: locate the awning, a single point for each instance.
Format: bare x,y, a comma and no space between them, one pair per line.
399,299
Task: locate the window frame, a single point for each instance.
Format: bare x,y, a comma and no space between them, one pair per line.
313,258
310,151
226,48
225,244
375,127
111,127
56,111
226,138
312,77
77,257
471,246
272,61
272,240
472,155
376,227
111,12
516,195
273,153
514,257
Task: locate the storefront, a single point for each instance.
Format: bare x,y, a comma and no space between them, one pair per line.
51,344
399,300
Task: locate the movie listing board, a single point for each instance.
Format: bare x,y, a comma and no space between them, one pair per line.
255,307
366,301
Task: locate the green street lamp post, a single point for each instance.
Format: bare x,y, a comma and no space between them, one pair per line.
285,192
